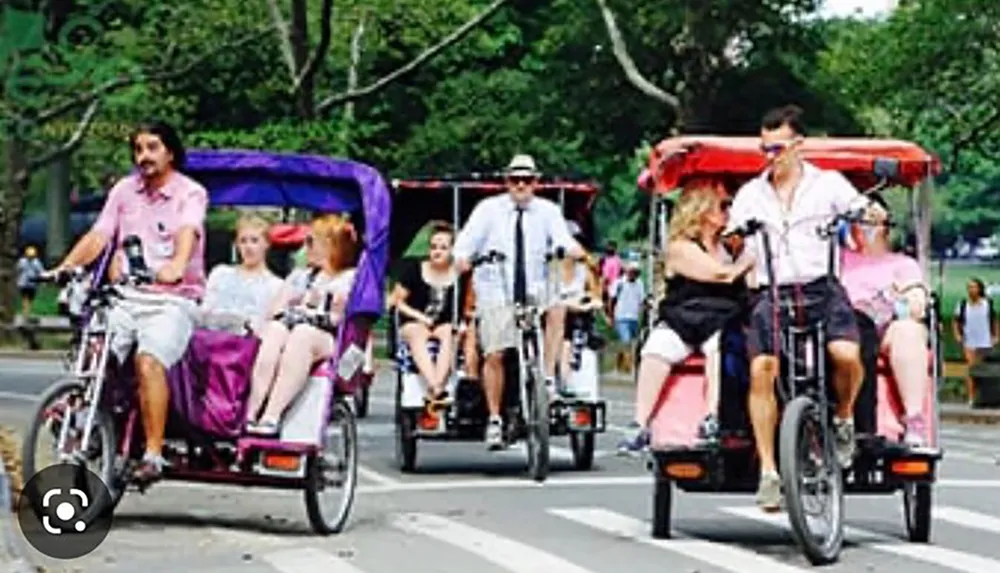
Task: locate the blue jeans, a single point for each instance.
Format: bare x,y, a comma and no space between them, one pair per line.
627,329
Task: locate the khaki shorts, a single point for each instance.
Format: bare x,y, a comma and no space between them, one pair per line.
497,331
161,330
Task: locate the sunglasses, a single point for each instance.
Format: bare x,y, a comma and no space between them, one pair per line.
521,180
775,148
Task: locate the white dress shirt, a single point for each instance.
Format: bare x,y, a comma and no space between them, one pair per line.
491,227
801,254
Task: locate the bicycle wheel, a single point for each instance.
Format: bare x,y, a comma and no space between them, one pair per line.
809,468
538,420
332,472
917,510
62,402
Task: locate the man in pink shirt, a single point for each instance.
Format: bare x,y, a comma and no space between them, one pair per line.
166,211
889,289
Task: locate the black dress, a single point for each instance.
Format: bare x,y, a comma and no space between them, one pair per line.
436,302
696,310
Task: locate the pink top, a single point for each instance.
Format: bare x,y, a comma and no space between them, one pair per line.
611,269
156,217
869,279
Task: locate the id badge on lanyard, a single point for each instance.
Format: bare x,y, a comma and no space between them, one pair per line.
163,247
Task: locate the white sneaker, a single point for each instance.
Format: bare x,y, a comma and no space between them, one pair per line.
494,435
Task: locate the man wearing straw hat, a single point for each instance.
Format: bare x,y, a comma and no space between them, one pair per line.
524,228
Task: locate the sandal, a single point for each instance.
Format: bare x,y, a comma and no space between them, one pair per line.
264,429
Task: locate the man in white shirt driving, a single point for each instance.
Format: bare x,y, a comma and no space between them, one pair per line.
793,198
524,228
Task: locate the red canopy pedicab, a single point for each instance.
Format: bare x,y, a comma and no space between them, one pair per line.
883,464
528,414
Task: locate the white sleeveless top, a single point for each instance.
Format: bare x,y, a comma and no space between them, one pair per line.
577,286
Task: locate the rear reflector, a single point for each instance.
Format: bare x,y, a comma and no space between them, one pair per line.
910,467
683,470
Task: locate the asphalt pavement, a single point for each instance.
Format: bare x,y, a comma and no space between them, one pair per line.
467,509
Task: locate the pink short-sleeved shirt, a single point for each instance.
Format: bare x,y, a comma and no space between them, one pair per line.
868,279
156,217
611,269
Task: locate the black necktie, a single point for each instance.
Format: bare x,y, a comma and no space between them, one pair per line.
520,278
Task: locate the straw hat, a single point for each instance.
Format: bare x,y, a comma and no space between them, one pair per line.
522,164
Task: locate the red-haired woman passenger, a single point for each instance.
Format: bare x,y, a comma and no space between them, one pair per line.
291,346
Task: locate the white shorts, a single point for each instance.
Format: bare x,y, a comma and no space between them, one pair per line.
665,344
160,329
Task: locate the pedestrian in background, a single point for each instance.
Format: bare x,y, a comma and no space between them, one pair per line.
29,268
626,300
976,328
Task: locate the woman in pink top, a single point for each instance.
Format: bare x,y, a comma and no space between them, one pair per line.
889,288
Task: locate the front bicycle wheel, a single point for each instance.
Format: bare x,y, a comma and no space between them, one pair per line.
64,403
538,423
813,481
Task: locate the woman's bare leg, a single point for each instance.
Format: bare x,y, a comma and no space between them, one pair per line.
906,343
555,321
971,359
446,353
306,345
415,336
272,340
653,372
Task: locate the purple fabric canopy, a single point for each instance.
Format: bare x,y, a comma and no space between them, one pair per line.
322,184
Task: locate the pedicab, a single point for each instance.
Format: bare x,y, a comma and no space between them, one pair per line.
883,464
580,416
93,414
291,237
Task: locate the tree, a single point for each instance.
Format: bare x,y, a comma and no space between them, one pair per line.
64,62
699,43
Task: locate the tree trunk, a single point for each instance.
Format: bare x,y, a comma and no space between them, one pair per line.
298,36
12,196
57,210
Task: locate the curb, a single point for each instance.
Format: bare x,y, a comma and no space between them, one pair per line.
989,417
8,536
11,354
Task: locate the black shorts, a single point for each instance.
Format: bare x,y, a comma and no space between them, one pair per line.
28,292
840,322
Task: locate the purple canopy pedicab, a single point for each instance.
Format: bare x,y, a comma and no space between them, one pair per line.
316,450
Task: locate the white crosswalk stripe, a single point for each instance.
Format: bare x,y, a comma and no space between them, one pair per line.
723,556
966,518
941,556
308,559
507,553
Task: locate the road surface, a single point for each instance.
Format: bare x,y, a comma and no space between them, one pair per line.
470,510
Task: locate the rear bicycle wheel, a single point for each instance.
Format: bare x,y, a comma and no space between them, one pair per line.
917,500
332,473
812,480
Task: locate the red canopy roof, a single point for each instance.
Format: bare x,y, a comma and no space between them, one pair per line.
677,161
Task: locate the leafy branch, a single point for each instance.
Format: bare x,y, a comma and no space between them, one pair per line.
632,73
381,83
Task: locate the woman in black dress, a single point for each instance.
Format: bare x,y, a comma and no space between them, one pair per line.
425,299
705,291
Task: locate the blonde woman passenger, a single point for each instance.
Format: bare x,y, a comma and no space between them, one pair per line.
238,296
290,345
704,293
